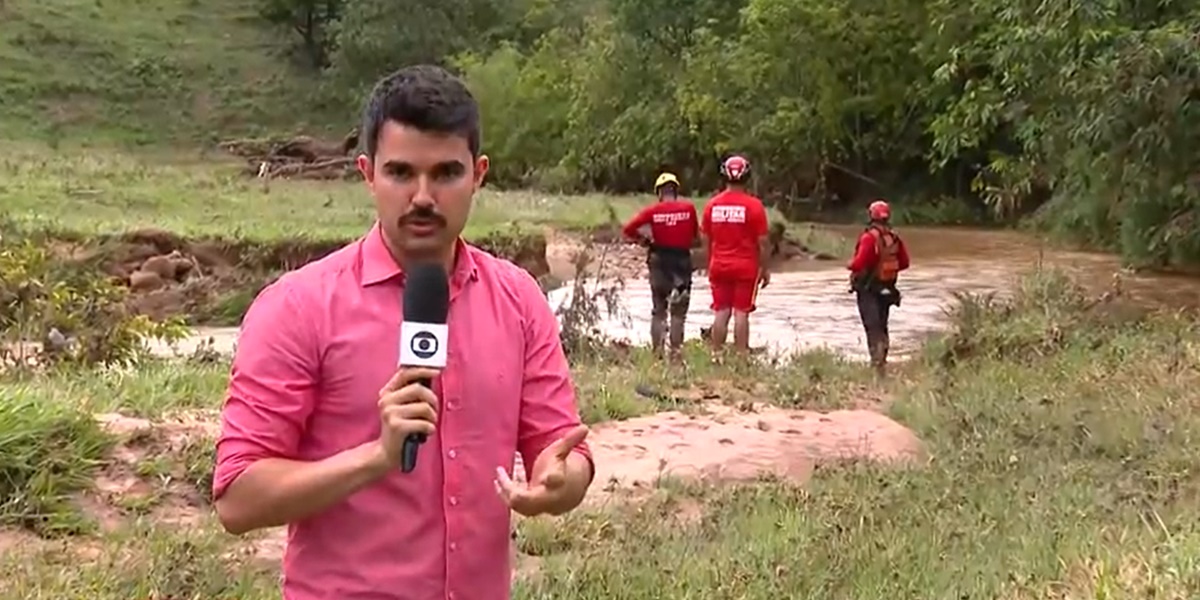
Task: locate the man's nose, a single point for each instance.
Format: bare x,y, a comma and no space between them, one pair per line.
424,193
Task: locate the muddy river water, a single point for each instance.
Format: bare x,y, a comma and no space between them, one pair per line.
808,304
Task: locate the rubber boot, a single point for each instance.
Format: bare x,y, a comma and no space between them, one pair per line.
875,346
884,345
675,337
658,326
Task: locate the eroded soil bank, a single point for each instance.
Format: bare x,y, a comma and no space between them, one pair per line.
212,281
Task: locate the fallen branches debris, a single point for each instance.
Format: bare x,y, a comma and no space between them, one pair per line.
299,157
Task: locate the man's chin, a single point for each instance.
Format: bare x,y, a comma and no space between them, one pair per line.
429,245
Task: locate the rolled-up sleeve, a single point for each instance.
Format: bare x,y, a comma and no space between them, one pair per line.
548,404
272,385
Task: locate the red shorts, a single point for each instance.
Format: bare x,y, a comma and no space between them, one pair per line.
738,294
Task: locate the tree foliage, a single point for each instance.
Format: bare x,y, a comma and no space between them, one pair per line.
1081,116
309,20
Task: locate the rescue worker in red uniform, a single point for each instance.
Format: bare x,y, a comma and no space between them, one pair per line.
735,225
879,258
669,228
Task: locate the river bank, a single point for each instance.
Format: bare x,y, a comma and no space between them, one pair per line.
808,305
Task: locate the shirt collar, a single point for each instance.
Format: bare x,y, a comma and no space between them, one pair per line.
378,265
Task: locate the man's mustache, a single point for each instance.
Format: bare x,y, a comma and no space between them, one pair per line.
423,213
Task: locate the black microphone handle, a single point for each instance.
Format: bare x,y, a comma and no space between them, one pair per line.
408,457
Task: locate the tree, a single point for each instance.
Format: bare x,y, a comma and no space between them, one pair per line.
310,19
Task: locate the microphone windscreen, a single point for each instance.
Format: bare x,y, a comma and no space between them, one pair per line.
426,293
423,332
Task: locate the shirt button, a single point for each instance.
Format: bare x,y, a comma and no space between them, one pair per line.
453,500
453,454
453,547
451,596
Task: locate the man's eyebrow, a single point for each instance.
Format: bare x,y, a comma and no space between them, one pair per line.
446,164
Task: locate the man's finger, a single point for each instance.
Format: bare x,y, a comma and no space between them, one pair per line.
406,375
563,446
409,394
504,484
517,497
416,411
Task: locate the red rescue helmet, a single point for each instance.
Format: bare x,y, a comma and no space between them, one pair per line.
735,168
879,211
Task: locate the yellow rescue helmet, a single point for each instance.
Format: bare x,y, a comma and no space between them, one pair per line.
664,179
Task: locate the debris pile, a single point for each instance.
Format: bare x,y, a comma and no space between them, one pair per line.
157,272
299,157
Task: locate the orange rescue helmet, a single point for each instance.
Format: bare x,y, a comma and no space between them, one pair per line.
879,211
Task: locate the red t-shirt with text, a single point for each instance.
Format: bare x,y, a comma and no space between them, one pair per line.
734,221
673,224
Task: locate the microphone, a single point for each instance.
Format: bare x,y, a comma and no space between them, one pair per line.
423,333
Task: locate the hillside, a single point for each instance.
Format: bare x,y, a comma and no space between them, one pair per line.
148,71
968,112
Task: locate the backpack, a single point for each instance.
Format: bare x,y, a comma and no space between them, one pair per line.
887,248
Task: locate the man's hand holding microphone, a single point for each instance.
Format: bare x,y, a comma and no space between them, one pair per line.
406,407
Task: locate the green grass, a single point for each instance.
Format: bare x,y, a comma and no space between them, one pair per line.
140,72
155,388
51,445
88,191
607,384
146,561
47,452
632,383
206,198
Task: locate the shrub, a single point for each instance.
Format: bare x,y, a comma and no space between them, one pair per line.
53,311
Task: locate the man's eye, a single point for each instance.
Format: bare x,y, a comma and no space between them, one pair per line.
439,173
449,172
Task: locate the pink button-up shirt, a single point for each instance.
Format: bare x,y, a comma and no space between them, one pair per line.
314,350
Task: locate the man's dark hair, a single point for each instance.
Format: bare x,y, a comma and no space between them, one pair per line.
425,97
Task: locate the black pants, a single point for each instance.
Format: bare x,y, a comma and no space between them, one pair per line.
874,308
670,273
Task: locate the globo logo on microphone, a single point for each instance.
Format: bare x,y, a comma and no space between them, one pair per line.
423,344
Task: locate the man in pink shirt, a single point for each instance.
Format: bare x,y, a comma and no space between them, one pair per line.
317,410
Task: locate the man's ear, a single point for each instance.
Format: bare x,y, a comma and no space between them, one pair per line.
367,167
481,168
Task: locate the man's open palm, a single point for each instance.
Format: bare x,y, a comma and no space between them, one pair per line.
547,478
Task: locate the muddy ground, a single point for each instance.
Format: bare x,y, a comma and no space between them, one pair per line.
212,281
